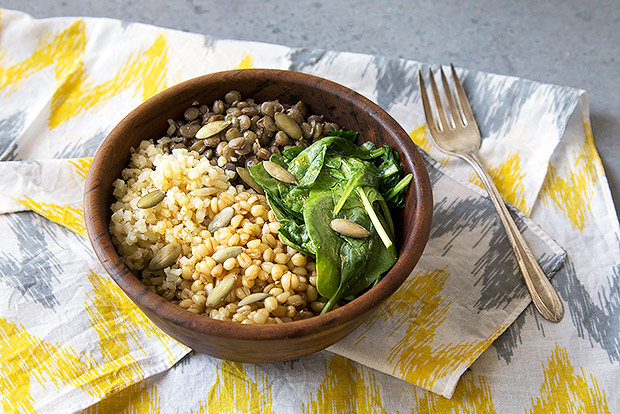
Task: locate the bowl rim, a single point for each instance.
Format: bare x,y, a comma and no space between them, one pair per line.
146,299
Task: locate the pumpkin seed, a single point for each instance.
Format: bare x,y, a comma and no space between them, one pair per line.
151,199
204,192
221,219
220,291
279,173
288,125
221,256
211,129
244,174
254,297
166,256
349,228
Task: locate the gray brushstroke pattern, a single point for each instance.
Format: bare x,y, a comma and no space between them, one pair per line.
508,341
600,316
85,148
34,274
302,58
11,128
397,81
473,218
498,269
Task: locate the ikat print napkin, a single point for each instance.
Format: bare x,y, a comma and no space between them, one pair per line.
70,338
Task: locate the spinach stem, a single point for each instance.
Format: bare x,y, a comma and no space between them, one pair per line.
399,187
331,302
348,189
373,217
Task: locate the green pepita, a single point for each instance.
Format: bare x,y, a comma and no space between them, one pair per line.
221,256
349,228
221,219
220,291
151,199
211,129
288,125
244,174
204,192
254,297
165,257
279,173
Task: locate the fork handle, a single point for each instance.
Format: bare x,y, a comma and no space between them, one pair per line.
543,294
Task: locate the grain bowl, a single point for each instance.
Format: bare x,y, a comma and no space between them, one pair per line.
253,340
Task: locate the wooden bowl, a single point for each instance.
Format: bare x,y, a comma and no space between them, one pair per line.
256,343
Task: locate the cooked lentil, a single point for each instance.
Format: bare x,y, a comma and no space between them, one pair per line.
244,132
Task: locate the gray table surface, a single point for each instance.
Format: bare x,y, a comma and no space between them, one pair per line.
566,42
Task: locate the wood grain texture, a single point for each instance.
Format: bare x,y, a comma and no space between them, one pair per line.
253,343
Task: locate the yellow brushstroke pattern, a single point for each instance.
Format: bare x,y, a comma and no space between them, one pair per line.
418,308
472,396
508,179
24,356
247,62
571,190
67,216
564,391
115,318
106,310
136,399
236,391
144,71
345,390
63,51
420,137
82,165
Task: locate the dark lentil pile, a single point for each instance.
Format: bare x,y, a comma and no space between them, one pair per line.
254,132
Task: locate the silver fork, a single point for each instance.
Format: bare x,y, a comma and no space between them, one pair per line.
456,133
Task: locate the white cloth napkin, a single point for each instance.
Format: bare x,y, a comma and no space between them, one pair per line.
64,83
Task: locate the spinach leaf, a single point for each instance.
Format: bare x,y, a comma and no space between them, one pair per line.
391,184
307,165
296,236
284,197
262,178
381,259
354,255
358,173
294,199
346,148
292,152
317,216
279,159
350,136
362,182
309,162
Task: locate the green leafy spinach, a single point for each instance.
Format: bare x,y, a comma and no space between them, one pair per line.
338,179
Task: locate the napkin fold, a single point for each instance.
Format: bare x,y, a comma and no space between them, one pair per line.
66,82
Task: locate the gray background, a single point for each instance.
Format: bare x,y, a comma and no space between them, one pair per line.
567,42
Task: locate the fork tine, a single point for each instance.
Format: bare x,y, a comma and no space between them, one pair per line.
454,113
441,110
430,121
462,98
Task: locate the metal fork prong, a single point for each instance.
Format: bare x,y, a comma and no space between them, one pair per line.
462,99
454,114
430,120
441,110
